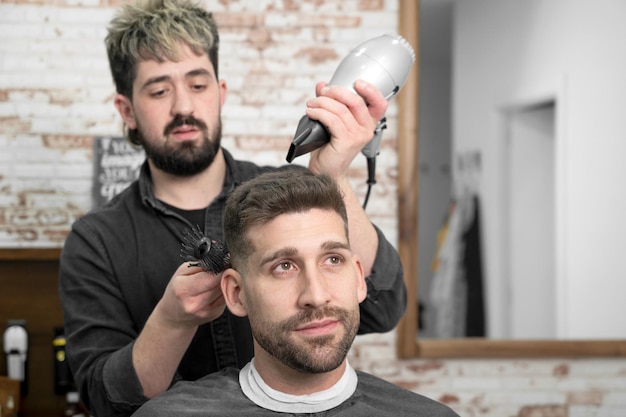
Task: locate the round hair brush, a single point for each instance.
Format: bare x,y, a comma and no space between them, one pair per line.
209,254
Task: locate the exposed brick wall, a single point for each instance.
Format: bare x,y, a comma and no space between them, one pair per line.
505,387
56,95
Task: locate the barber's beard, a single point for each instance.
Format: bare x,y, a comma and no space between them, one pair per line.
313,355
183,159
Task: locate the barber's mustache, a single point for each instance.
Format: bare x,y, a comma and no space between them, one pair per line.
180,120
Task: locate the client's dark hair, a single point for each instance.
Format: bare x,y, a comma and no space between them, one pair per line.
262,199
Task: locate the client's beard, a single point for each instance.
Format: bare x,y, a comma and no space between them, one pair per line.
318,355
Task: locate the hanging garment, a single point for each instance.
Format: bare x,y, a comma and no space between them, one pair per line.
475,322
448,292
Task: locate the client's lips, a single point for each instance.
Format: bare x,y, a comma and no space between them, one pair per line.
319,327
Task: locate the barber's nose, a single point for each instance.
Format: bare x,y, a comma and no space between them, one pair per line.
183,104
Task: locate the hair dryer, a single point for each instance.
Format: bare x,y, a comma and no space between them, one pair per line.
15,340
384,61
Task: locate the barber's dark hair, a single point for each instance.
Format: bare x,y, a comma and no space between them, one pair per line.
155,29
267,196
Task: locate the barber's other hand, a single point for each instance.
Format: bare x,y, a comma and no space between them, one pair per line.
350,119
192,297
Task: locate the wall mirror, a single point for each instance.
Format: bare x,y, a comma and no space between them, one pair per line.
534,121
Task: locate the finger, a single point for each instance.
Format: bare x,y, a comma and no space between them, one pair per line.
188,268
206,299
194,285
218,301
214,310
348,106
319,87
329,112
207,282
374,99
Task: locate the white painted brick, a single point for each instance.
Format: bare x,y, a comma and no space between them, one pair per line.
82,63
241,112
378,23
25,170
24,185
7,109
33,110
287,112
91,111
7,239
54,207
12,13
503,367
243,6
610,383
8,200
27,31
595,411
24,141
36,156
598,367
495,396
72,171
11,48
84,16
467,383
71,126
614,398
80,157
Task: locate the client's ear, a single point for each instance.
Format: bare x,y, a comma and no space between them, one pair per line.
233,292
361,284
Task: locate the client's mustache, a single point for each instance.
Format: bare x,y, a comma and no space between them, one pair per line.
180,120
321,313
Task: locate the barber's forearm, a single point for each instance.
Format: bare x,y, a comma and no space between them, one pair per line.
363,236
157,353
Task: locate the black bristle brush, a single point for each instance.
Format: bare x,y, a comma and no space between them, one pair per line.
209,254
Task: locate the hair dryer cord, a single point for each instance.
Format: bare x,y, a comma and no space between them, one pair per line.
371,178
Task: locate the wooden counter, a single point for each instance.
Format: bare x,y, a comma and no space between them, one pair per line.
29,291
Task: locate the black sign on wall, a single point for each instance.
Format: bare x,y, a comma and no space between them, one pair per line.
116,165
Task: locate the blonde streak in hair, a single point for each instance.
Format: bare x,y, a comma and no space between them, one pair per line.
165,35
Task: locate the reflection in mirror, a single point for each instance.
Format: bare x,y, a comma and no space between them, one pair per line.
435,180
523,115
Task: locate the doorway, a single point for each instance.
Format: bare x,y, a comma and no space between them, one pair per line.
530,304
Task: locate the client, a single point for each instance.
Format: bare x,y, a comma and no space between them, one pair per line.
297,280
